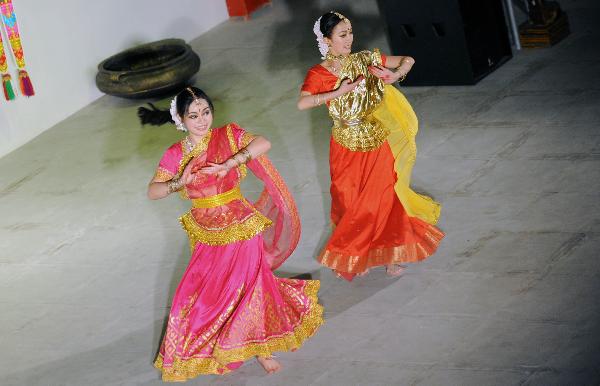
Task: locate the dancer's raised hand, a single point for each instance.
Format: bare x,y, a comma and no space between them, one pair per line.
347,85
188,172
388,76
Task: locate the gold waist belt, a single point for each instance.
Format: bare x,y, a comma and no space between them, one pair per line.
218,199
360,135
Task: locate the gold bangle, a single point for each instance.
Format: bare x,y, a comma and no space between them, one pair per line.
174,185
317,100
401,64
247,154
236,164
403,76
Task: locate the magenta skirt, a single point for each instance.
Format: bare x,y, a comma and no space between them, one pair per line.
230,307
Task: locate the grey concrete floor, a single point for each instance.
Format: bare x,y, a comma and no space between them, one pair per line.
88,265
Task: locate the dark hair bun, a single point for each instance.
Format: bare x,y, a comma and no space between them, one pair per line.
328,23
153,116
157,117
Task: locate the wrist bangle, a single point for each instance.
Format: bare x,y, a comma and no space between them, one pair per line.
235,161
247,154
174,185
402,62
317,99
403,76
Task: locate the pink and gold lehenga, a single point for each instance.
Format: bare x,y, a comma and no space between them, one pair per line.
229,306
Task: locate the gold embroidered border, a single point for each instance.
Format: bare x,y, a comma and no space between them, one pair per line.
409,253
247,138
188,369
366,135
196,151
162,175
235,232
184,369
234,149
187,157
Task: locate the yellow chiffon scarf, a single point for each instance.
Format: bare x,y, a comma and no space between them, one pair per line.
397,115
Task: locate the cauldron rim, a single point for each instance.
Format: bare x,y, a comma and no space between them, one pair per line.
165,42
168,73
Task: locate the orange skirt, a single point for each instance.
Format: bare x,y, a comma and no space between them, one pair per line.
371,226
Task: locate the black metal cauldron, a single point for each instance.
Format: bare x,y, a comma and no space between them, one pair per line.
148,70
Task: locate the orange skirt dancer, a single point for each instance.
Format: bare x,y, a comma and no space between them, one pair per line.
378,220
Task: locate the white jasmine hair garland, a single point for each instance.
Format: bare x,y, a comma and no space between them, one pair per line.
323,47
175,116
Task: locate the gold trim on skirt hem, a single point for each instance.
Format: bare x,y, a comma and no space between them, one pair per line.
187,368
412,253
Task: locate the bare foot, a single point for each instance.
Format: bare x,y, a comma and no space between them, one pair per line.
394,270
269,364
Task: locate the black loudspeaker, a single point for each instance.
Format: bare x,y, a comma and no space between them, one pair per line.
453,42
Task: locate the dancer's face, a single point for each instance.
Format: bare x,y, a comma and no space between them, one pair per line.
198,118
341,38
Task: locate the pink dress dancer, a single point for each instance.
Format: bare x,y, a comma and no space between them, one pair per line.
229,306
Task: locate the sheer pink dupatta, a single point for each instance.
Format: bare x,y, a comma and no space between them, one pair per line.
276,203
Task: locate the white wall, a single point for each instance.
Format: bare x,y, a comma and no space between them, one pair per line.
64,40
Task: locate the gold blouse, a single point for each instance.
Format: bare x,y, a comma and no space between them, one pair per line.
354,126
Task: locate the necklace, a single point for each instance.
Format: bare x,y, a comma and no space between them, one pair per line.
339,58
333,58
189,144
191,150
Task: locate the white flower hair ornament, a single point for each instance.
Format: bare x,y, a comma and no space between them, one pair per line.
323,47
175,116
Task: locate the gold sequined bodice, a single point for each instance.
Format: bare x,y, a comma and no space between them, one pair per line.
354,127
